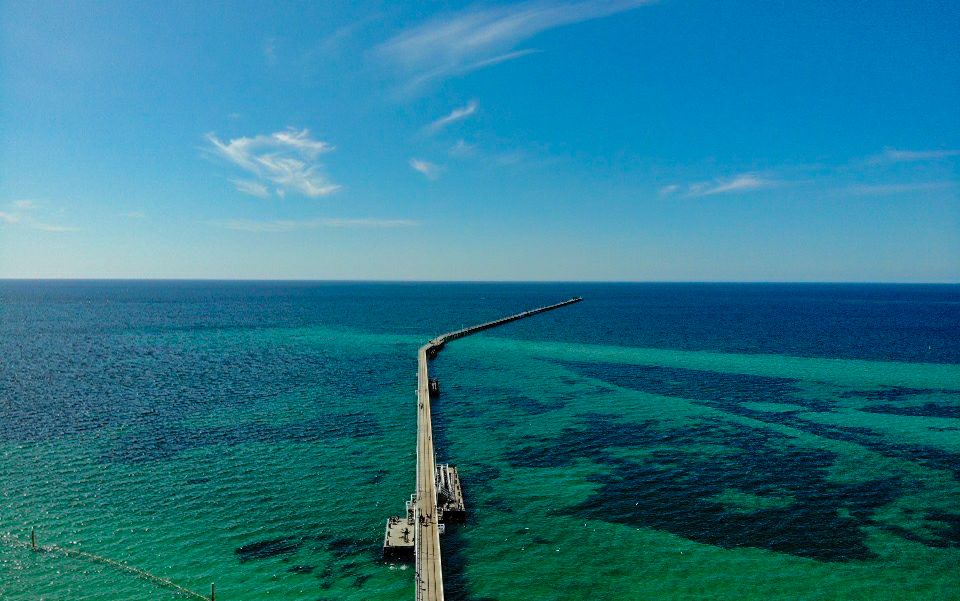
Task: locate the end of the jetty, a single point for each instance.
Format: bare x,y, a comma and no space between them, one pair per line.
438,500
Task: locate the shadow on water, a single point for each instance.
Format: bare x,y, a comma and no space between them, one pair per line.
732,393
454,565
264,549
761,490
352,557
924,410
158,442
453,542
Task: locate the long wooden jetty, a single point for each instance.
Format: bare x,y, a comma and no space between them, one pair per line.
424,520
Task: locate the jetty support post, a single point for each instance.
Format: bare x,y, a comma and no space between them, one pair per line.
213,591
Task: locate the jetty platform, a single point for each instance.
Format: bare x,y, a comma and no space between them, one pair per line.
439,497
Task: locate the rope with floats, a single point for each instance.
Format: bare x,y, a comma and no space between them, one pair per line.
142,574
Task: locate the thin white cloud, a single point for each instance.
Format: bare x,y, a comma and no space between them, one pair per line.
23,216
411,87
669,190
287,160
496,60
462,149
454,116
288,225
510,158
135,215
429,170
741,183
301,140
494,155
270,51
252,188
863,176
51,227
335,41
481,37
893,155
370,223
889,189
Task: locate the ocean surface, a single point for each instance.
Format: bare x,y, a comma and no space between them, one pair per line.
656,441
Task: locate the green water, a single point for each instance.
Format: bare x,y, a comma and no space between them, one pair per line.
184,518
267,459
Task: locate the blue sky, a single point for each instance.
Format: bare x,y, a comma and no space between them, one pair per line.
544,140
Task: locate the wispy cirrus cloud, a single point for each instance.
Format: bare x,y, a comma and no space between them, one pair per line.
270,51
893,155
877,175
455,115
475,38
285,161
52,227
24,215
289,225
252,188
745,182
428,169
462,149
898,188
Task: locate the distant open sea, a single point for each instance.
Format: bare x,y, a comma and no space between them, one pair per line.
656,441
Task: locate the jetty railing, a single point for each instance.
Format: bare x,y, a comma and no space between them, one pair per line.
428,569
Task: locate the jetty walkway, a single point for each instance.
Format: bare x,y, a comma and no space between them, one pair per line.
426,509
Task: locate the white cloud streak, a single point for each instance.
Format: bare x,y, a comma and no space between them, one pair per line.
741,183
288,225
669,190
454,116
429,170
51,227
893,155
287,160
270,51
462,149
852,179
23,216
252,188
890,189
481,37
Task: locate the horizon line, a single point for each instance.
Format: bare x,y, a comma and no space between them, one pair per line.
476,281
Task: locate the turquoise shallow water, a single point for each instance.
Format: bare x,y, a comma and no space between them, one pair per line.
665,442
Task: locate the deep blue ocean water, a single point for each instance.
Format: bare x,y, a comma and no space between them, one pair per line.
721,441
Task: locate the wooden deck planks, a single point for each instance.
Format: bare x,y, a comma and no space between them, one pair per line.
429,572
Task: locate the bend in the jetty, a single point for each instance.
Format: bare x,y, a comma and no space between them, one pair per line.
438,500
